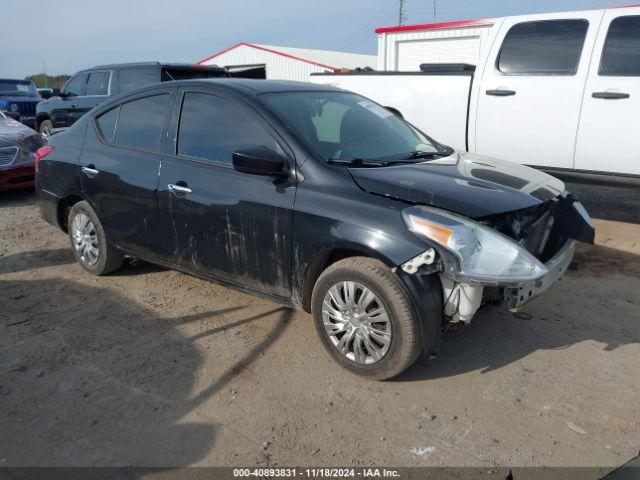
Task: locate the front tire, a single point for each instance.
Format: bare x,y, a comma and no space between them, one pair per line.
365,318
89,241
45,127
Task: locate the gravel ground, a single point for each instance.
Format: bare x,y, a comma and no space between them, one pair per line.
152,367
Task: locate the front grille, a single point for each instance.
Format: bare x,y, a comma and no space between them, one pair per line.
27,109
8,155
534,228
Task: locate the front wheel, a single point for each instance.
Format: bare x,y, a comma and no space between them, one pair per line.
89,241
365,318
45,128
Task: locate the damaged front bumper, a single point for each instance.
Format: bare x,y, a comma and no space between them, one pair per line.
518,297
547,235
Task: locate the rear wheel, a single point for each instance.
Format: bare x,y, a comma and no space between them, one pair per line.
365,318
45,128
89,241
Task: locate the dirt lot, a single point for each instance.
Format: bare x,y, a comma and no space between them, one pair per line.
152,367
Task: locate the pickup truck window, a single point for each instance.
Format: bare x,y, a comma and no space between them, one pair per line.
621,53
131,78
98,83
212,128
140,123
549,47
76,86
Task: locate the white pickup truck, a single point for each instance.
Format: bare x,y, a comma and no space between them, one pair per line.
559,91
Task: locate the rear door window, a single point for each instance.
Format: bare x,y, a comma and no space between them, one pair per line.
621,53
98,83
212,128
77,86
140,123
132,78
549,47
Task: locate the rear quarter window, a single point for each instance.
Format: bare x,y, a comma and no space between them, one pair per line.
621,53
548,47
107,124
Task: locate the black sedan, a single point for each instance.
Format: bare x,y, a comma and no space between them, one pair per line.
314,197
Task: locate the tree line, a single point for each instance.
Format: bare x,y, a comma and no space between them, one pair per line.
52,81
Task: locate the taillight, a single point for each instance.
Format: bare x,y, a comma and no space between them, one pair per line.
41,153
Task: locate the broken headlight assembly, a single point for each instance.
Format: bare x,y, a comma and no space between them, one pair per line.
471,252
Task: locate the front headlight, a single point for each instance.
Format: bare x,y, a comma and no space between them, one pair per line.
472,252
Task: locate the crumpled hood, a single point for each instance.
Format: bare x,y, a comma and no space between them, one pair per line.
14,133
468,184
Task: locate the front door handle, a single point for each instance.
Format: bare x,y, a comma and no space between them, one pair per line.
178,190
90,171
500,92
610,95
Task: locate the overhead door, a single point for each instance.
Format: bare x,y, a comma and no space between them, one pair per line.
437,50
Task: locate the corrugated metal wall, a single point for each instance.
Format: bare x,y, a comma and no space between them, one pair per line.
407,50
278,67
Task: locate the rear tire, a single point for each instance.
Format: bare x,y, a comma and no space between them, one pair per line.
356,279
89,241
45,127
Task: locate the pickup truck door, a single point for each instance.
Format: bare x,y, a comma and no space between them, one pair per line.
608,137
64,109
531,88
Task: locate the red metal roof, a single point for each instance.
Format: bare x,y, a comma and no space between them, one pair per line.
459,23
260,47
433,26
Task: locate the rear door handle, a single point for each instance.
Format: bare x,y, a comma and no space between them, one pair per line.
178,190
610,95
90,171
499,92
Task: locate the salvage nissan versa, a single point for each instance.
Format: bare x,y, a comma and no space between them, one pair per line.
314,197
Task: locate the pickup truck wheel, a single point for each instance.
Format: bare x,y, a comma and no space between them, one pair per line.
365,318
89,241
45,128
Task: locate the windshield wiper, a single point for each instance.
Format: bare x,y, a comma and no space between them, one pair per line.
357,162
422,154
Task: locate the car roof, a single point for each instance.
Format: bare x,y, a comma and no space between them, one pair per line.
194,66
253,87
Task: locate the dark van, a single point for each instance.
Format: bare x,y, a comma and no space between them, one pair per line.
93,86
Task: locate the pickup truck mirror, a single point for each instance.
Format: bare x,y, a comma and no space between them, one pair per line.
258,161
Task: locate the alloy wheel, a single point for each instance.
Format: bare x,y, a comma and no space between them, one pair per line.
85,239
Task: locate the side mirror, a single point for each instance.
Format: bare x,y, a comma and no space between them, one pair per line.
258,161
56,92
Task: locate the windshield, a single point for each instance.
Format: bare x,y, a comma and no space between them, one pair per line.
346,126
18,88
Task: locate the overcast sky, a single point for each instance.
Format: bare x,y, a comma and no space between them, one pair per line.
74,34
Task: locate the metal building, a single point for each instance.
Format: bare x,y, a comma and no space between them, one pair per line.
284,63
406,47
